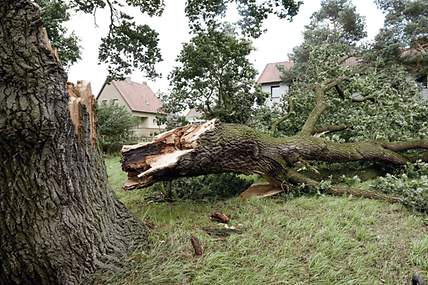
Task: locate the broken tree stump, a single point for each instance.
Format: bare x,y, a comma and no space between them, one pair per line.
80,98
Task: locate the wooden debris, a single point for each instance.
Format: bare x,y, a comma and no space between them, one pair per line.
219,217
196,245
221,232
162,155
260,190
149,224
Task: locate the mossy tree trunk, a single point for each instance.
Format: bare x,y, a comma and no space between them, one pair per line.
59,220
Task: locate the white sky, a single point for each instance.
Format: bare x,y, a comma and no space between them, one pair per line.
273,46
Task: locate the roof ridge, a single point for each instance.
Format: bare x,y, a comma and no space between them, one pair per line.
271,73
121,94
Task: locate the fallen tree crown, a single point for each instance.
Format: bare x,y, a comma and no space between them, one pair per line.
216,147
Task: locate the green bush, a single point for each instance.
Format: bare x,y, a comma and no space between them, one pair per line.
212,186
411,185
114,128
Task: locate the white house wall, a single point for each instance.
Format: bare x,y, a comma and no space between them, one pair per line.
283,89
147,124
148,119
424,93
109,94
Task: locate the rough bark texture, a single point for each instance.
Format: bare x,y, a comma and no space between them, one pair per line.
59,220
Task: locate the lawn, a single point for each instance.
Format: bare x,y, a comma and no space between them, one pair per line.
304,240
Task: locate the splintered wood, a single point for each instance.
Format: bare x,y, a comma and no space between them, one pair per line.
261,190
80,95
47,43
144,161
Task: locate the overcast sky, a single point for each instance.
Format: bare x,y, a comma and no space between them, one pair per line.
273,46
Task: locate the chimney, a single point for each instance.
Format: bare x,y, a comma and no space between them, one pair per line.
145,82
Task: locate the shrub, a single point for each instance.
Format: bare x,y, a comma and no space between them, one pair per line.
114,128
411,185
211,186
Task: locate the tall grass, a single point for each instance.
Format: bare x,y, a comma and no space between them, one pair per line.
305,240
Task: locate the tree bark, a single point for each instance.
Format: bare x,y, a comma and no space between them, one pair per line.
59,220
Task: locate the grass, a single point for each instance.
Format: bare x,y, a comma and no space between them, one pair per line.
305,240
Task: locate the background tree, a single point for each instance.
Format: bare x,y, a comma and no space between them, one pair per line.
204,15
114,126
215,77
54,14
129,45
404,37
336,24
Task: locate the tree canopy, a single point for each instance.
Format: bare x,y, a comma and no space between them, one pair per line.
206,14
336,23
215,77
129,45
371,100
404,37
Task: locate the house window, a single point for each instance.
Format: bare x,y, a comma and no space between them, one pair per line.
114,101
275,92
104,102
422,81
143,122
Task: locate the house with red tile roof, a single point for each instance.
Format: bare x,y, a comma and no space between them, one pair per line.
271,82
138,99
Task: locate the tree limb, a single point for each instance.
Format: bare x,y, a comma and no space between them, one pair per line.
402,146
298,178
320,106
330,129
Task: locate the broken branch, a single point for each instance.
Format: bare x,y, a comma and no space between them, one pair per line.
214,147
